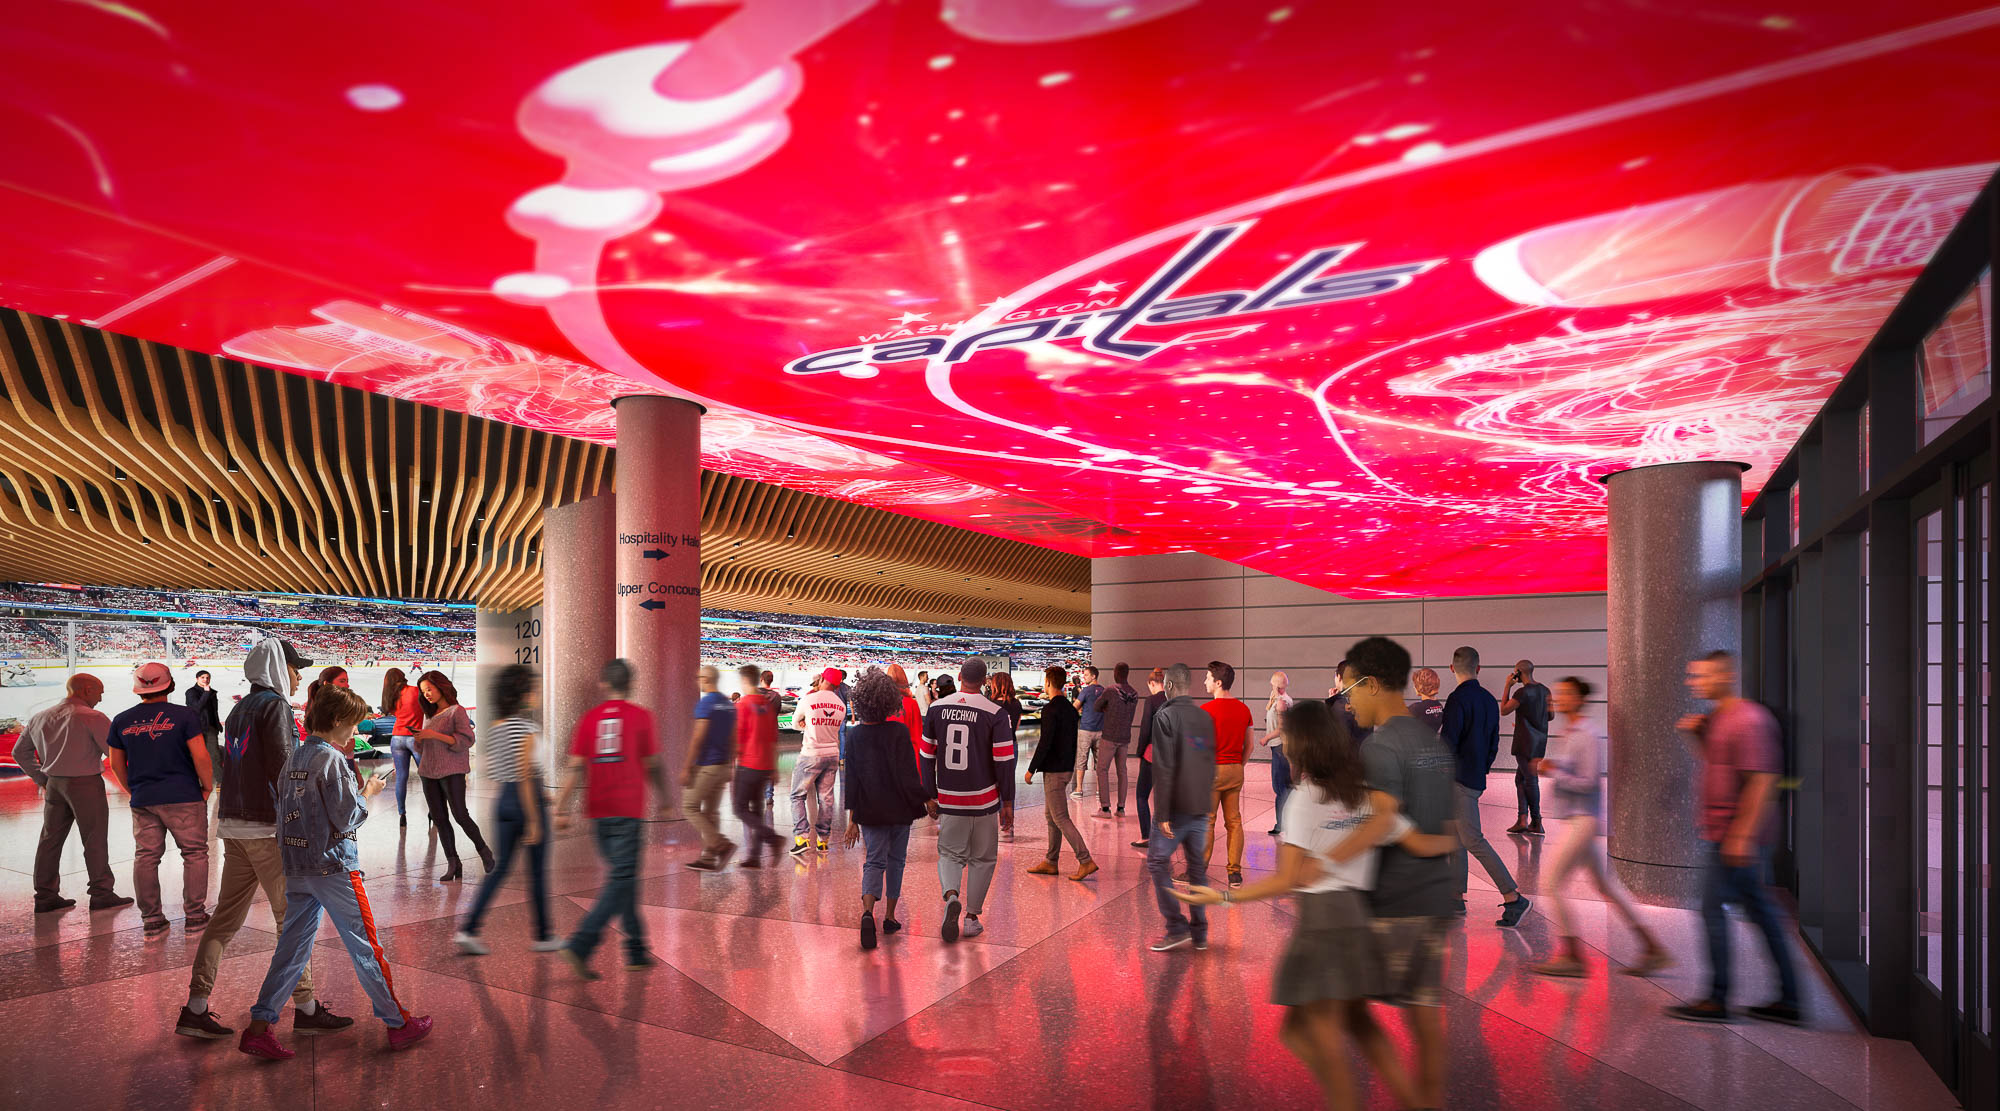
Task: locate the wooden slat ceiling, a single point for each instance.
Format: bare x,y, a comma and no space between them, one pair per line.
126,463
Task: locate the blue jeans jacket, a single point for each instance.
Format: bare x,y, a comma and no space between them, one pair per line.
319,809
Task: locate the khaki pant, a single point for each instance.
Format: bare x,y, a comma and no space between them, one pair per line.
76,800
247,864
1229,800
188,823
1055,809
702,804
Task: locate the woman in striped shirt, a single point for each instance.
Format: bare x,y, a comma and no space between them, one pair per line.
522,808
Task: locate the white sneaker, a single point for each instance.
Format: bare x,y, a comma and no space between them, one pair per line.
470,944
971,927
547,945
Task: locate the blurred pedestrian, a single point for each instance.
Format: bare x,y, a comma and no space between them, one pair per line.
1737,742
520,814
1574,766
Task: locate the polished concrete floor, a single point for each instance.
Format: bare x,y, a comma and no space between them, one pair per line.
765,1000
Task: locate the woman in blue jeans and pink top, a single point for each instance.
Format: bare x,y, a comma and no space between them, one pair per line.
884,795
320,809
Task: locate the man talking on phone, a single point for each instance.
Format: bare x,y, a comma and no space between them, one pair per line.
1530,706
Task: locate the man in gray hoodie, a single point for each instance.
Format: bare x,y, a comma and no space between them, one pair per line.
1183,784
258,738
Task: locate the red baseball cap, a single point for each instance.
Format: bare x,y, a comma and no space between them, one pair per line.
833,675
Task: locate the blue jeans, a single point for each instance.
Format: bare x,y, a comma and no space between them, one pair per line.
812,788
1722,883
1190,836
1281,783
888,847
402,750
512,821
340,896
1145,797
618,844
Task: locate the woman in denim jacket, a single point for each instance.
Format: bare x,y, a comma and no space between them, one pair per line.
320,808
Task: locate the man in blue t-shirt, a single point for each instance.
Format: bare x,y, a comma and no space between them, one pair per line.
706,773
159,755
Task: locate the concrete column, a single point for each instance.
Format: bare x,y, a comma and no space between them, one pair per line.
579,631
1675,592
659,563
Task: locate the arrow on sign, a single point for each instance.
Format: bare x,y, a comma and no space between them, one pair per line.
654,553
652,604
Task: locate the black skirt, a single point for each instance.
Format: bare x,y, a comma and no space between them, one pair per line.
1332,953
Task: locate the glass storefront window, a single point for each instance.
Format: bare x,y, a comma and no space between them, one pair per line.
1955,364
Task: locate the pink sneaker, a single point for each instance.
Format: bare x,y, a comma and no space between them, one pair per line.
413,1030
263,1045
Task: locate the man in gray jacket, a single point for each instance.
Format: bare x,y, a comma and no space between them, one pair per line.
1183,783
62,749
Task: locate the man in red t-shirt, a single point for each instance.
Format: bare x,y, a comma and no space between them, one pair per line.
1741,759
1232,732
756,765
614,746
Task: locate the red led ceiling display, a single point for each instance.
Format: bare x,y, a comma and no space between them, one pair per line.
1367,298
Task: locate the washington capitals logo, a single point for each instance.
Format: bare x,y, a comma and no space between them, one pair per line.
1156,303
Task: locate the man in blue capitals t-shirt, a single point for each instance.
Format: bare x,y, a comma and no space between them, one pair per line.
159,755
707,772
1472,733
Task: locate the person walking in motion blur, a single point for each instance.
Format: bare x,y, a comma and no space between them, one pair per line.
613,754
520,815
1574,767
1327,862
1737,742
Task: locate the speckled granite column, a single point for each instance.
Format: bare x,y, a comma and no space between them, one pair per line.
579,574
1675,592
658,593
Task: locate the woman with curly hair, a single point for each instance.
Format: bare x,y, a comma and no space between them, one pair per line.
884,795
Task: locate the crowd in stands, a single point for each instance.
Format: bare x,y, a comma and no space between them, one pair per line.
28,640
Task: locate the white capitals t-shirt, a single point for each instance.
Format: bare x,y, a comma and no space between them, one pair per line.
1317,826
819,716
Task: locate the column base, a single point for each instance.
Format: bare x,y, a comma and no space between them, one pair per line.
1660,885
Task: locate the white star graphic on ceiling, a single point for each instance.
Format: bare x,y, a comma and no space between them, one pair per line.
1104,287
913,317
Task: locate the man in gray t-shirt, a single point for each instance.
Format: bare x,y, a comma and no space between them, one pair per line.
1414,896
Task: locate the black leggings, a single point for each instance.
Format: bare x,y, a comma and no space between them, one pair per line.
449,790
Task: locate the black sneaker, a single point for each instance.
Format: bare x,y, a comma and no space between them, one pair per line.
581,963
890,926
1172,941
157,926
949,930
1708,1010
703,863
1236,879
868,931
639,960
1512,913
1142,844
1201,945
201,1025
321,1021
1787,1013
113,903
196,921
1104,810
53,904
